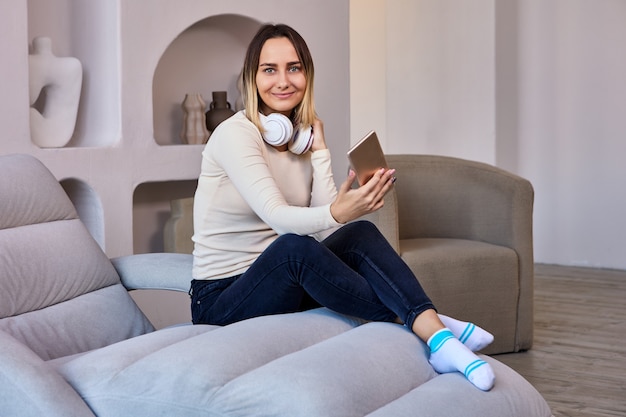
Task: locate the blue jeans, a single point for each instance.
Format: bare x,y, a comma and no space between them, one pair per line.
354,271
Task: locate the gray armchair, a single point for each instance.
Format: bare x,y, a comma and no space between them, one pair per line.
73,343
465,229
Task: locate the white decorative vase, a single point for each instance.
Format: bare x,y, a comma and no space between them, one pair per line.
194,130
55,84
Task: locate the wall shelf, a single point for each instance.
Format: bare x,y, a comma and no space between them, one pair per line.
205,57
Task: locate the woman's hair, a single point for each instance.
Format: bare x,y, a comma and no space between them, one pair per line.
304,113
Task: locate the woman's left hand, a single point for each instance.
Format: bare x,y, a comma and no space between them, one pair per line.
319,142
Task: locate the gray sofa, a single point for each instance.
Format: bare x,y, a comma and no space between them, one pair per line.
73,343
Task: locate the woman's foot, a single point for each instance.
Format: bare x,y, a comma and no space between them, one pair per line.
448,354
472,336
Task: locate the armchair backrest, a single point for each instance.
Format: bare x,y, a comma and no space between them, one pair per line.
446,197
59,293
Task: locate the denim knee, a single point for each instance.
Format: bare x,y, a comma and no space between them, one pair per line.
362,226
361,234
297,243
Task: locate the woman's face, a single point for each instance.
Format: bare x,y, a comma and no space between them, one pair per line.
280,79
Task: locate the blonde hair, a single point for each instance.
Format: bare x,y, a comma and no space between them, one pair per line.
304,114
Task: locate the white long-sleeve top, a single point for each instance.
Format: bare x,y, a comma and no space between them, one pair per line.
249,193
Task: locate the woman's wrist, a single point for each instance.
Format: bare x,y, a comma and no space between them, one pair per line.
334,214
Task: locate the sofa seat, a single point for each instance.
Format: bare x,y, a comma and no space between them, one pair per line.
314,363
132,349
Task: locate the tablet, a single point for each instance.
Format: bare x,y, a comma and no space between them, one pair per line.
367,157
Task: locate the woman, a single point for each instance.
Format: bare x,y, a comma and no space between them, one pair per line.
260,200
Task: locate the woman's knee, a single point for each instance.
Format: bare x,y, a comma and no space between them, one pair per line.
362,228
293,242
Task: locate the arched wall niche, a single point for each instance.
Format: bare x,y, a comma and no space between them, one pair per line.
152,209
207,56
88,206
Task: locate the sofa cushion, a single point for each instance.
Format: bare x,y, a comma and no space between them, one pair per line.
69,263
348,375
377,368
87,322
130,378
126,352
309,364
60,293
30,195
41,391
451,395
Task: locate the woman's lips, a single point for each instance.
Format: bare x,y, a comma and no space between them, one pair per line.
282,95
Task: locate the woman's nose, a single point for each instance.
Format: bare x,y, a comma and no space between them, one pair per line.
283,79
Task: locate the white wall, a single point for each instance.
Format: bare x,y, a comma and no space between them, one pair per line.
422,75
14,101
572,127
532,86
368,69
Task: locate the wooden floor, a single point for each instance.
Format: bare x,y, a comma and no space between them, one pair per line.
578,359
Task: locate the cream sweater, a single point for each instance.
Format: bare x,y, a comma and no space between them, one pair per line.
249,193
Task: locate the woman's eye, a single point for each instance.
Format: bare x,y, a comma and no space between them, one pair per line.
294,69
268,70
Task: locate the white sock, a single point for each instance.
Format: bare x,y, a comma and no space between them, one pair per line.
448,354
472,336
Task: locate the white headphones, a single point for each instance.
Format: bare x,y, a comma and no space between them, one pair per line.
279,131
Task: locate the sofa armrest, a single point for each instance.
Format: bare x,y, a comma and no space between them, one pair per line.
155,271
32,388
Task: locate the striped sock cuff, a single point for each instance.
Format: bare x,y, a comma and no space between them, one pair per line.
437,340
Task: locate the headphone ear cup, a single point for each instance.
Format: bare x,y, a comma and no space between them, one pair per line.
302,141
278,129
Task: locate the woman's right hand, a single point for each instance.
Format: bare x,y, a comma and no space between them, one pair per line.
352,203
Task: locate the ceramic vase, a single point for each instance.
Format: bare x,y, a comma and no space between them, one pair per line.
194,130
55,84
219,110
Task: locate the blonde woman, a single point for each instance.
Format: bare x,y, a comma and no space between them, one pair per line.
266,199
